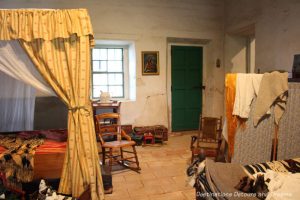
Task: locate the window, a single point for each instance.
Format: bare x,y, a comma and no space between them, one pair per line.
113,66
108,72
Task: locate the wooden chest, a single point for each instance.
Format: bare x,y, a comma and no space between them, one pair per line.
158,131
127,129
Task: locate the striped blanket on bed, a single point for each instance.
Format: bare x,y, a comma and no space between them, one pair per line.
216,180
198,179
17,161
285,166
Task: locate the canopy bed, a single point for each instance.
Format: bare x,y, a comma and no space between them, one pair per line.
58,44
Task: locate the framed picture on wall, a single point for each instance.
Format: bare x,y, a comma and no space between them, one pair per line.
150,63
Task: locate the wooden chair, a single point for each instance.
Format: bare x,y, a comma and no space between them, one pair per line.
113,137
209,139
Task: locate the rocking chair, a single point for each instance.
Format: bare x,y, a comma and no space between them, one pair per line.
113,137
209,140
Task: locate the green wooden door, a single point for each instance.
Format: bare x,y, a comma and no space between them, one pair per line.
186,75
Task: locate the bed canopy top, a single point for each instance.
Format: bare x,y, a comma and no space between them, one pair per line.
46,24
58,43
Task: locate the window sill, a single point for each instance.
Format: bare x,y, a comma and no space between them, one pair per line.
120,100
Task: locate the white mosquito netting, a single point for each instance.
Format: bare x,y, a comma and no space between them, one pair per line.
19,80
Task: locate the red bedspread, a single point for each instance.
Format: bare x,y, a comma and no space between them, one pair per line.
49,146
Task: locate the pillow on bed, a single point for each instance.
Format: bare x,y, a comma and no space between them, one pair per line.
59,135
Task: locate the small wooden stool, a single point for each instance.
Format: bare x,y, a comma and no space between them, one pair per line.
149,136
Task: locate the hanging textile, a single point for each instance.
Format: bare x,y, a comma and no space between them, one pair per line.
17,101
289,126
230,84
272,91
247,87
253,144
15,62
65,63
46,24
19,77
58,42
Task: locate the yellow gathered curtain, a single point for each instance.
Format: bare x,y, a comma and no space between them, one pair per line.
59,42
49,24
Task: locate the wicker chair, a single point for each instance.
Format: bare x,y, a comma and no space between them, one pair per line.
209,140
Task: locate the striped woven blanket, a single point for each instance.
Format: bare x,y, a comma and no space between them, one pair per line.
285,166
17,161
218,181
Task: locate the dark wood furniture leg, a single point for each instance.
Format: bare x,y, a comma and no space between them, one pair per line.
103,155
110,159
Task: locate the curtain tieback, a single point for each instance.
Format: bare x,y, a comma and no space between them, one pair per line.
80,108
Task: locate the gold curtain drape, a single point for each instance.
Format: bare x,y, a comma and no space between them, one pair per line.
65,64
30,24
58,42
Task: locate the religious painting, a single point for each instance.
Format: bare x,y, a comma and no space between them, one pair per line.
150,63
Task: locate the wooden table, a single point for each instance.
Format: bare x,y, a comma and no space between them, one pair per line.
114,106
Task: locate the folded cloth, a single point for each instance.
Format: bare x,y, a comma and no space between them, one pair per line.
247,87
46,192
222,177
282,186
196,168
60,135
273,87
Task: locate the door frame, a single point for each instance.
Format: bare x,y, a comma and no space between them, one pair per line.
169,80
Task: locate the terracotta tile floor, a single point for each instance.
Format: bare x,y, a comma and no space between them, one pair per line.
163,173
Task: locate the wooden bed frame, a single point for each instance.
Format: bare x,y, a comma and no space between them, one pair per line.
48,166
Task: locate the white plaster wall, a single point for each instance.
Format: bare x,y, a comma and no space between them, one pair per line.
241,13
252,55
148,24
277,29
235,54
277,36
213,79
